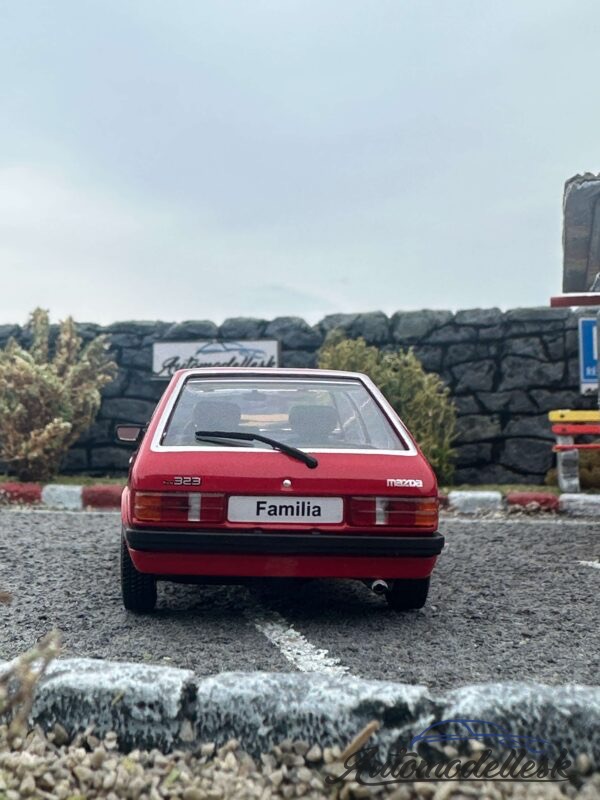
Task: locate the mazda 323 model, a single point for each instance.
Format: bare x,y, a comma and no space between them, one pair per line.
246,473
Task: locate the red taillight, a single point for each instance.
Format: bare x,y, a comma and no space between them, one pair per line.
178,507
405,512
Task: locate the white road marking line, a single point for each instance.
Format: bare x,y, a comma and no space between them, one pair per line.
594,564
292,645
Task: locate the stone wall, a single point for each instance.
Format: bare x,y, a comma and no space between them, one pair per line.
506,370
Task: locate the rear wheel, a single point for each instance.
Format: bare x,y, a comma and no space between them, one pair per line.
137,588
407,594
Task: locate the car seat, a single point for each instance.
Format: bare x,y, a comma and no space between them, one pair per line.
215,415
313,424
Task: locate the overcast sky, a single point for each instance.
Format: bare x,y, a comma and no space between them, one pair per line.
190,159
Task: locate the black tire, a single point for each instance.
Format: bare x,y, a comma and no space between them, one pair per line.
138,589
408,594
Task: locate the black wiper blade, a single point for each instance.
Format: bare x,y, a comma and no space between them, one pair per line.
310,461
218,440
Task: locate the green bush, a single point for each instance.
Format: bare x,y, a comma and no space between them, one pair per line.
420,399
47,402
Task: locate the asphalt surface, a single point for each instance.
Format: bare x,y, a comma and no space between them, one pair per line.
509,601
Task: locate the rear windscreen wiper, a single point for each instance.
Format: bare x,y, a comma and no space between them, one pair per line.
310,461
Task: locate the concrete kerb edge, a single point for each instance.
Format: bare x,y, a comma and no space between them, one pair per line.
153,706
107,496
62,496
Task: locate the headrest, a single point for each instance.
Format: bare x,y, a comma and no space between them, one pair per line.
217,415
313,421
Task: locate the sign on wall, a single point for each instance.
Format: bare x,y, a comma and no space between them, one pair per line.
168,357
588,355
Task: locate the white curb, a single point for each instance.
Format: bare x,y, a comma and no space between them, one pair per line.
580,505
475,502
59,495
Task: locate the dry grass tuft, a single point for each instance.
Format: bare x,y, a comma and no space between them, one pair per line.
18,682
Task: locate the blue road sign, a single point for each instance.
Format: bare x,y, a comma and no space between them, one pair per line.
588,355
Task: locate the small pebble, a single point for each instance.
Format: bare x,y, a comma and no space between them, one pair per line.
276,777
314,754
61,737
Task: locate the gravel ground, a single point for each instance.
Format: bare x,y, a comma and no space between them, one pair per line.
51,768
509,601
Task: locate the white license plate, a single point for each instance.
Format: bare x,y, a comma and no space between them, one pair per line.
286,509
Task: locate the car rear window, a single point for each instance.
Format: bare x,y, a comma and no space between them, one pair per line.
312,414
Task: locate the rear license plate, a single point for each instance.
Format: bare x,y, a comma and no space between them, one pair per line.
285,509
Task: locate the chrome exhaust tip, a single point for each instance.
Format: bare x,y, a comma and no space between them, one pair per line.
379,586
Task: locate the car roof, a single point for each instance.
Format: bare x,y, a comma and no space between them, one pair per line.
270,372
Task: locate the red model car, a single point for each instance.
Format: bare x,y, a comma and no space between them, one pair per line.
277,473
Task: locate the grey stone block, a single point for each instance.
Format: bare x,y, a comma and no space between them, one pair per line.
102,431
124,409
294,333
137,358
88,330
479,317
373,327
516,401
572,344
466,352
555,347
75,460
538,314
470,454
190,330
549,400
477,428
430,357
337,321
138,327
124,340
535,328
6,331
409,327
116,387
302,359
529,347
110,458
477,376
495,333
466,404
243,328
143,386
450,334
527,455
491,474
519,373
572,321
537,426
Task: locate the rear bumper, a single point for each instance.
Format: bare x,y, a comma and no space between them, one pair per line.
279,543
283,555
